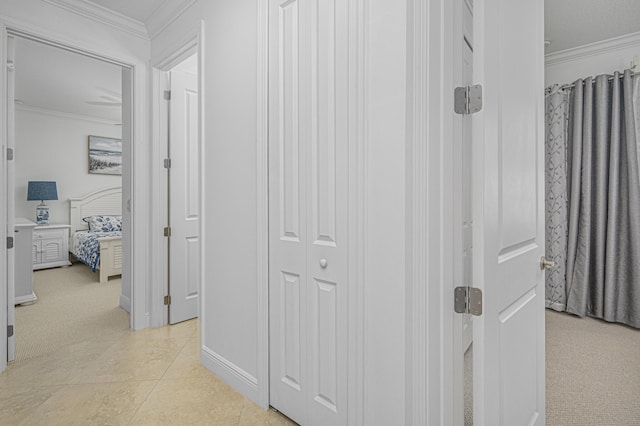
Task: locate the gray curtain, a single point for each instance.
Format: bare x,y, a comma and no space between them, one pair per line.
603,257
556,120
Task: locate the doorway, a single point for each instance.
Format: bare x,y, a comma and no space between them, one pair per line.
79,96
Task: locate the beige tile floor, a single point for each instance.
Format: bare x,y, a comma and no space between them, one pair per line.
147,377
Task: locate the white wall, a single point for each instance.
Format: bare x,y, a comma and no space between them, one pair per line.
52,146
385,222
603,57
229,296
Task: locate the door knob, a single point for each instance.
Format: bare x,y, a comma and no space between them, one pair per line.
546,264
323,263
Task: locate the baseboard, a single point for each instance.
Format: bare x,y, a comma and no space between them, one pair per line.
233,375
125,303
26,299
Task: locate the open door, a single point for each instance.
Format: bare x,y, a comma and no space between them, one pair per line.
184,197
508,343
10,191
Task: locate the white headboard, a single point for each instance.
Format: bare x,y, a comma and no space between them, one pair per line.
103,202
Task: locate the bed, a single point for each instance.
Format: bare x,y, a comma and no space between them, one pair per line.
100,251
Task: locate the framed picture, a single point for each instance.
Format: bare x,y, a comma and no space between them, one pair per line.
105,155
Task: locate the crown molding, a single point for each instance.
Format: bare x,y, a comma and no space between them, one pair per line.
593,49
162,17
60,114
87,9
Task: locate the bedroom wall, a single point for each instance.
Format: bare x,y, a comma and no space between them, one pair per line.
53,146
603,57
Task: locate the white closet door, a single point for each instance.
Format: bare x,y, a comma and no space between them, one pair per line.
308,142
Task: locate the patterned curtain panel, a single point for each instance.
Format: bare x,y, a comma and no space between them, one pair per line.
557,122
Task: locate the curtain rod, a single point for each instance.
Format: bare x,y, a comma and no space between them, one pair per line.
593,80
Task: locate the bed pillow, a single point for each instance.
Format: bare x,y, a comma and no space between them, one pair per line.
104,223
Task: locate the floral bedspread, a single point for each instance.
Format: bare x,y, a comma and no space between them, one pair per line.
85,246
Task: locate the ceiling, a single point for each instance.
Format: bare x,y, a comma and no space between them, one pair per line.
51,78
573,23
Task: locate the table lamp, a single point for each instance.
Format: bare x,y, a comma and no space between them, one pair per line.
38,190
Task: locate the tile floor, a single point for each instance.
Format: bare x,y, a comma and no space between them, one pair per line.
147,377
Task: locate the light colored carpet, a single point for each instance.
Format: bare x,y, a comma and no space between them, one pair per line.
72,307
593,372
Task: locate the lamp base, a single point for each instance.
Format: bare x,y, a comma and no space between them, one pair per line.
42,214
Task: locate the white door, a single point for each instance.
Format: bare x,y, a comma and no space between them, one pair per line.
11,340
308,145
508,343
184,197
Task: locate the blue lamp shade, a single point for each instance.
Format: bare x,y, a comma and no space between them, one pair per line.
38,190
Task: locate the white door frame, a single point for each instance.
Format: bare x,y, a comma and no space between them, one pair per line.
431,321
191,43
139,161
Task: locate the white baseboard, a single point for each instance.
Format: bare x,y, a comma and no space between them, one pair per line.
233,375
125,303
26,299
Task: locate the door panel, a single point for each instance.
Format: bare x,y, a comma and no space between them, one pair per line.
184,197
308,209
509,207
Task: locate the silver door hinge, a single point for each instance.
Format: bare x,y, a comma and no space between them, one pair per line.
9,154
167,163
467,100
167,300
9,242
9,330
167,95
468,300
11,66
167,231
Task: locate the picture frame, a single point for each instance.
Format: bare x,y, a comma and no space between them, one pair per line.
105,155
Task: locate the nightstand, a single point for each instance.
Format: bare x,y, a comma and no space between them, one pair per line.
50,246
23,265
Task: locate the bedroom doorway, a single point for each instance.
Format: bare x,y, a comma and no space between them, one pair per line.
61,100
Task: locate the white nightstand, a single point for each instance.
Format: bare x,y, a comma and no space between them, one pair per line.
23,265
50,246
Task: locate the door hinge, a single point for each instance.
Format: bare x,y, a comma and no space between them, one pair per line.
468,300
167,231
167,95
9,154
467,100
167,300
167,163
9,242
11,66
9,330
